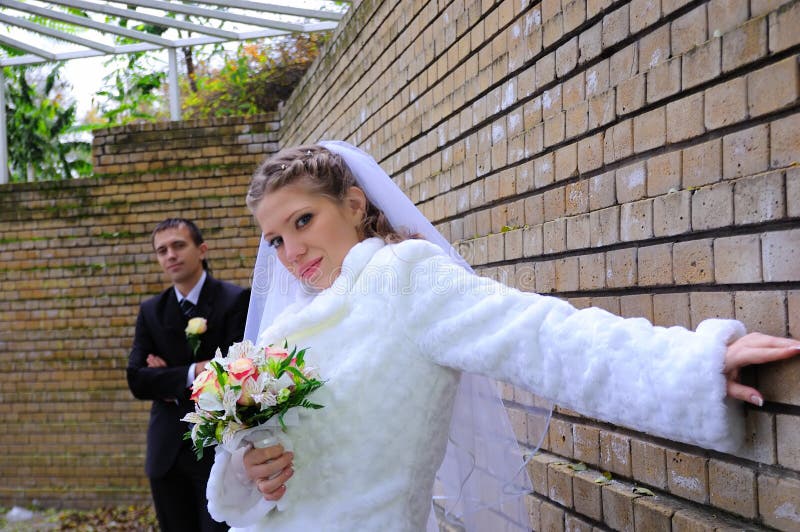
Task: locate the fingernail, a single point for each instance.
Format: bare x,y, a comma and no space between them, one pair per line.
756,400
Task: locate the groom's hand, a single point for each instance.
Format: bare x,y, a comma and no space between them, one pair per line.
269,468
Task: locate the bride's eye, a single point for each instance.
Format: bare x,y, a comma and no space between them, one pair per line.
303,220
275,242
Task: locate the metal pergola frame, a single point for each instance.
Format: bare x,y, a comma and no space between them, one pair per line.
259,18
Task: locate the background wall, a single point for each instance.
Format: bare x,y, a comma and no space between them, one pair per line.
75,262
639,155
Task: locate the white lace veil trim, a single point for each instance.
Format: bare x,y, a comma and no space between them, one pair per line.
482,480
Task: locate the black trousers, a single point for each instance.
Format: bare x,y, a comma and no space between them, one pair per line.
180,495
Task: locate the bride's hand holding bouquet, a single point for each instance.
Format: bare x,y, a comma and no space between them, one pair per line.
247,399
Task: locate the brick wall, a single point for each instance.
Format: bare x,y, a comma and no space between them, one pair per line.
75,262
639,156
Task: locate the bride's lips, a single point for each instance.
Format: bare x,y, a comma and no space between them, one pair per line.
309,269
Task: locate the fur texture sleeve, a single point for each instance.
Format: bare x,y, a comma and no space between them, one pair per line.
664,381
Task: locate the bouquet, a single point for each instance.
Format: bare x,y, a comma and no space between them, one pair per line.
246,389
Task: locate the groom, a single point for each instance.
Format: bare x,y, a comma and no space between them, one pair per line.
162,366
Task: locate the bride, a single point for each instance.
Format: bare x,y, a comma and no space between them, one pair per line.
392,317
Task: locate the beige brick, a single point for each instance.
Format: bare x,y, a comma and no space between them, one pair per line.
663,173
592,271
745,44
623,65
537,469
574,14
685,118
630,94
687,475
554,129
762,311
545,69
567,57
593,7
545,277
654,264
618,142
552,517
778,381
602,190
691,520
745,152
590,153
702,164
651,514
587,495
544,170
576,120
636,221
725,15
604,227
793,304
705,305
701,64
778,501
672,214
726,103
601,109
513,245
561,438
616,26
784,141
533,505
783,25
586,448
566,160
567,274
534,210
643,13
649,130
733,488
552,30
621,268
554,204
649,464
773,87
615,453
670,310
554,234
737,259
759,199
712,206
559,484
663,80
631,182
693,262
576,524
552,102
637,306
618,506
780,255
577,197
590,42
788,432
654,48
689,30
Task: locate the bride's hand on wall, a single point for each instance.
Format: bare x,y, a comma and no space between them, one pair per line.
754,348
269,468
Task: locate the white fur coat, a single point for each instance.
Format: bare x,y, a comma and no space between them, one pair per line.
390,337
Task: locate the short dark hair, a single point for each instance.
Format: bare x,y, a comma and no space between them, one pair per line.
174,223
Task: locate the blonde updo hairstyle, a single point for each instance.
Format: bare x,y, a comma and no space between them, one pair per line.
319,171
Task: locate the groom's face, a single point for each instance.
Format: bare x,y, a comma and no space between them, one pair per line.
179,257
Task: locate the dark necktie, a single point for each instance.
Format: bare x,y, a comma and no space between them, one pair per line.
187,307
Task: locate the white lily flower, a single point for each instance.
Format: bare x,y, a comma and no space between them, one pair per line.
209,402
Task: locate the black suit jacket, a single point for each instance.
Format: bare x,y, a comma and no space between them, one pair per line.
160,330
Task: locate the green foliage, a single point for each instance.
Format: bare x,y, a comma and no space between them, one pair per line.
41,128
132,92
251,81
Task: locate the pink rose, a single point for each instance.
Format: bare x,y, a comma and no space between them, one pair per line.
273,352
242,368
206,382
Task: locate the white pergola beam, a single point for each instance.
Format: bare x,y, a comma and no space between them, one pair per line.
215,14
56,34
273,8
19,45
145,17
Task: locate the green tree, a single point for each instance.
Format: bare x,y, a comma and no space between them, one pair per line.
253,80
42,137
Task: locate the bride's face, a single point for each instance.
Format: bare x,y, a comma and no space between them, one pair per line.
311,233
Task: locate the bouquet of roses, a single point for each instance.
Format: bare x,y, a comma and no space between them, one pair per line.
246,389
